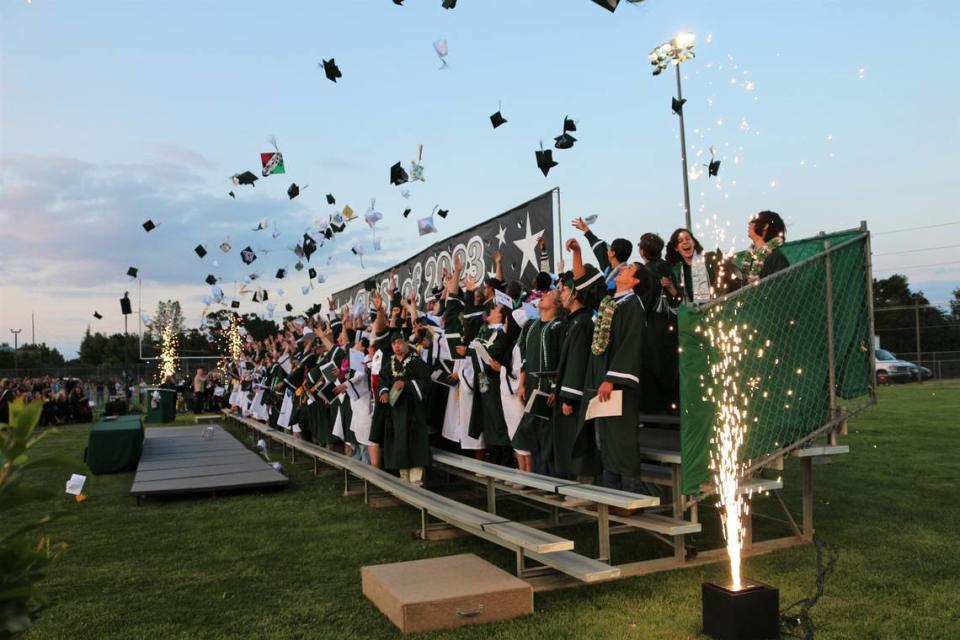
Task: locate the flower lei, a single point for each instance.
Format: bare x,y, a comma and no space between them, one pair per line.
601,335
753,263
397,367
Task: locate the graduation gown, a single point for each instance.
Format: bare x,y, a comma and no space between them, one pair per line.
540,344
569,387
660,382
487,416
406,442
512,406
456,419
620,365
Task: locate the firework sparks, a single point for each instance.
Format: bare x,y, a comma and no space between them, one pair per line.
168,354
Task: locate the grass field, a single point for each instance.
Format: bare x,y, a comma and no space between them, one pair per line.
287,564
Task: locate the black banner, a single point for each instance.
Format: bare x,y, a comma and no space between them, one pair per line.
516,234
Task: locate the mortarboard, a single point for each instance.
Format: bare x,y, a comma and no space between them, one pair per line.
232,195
443,213
200,250
248,255
497,119
331,70
305,289
132,272
591,219
211,280
97,315
337,221
564,141
312,273
397,175
713,168
406,212
569,124
281,274
247,177
331,199
293,191
225,246
328,233
449,4
426,226
288,307
148,226
298,266
348,212
545,160
235,304
272,161
677,105
309,246
609,5
263,224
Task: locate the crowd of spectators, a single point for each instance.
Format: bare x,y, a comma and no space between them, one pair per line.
65,400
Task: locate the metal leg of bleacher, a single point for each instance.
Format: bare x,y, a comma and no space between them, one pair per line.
676,496
491,496
806,467
603,532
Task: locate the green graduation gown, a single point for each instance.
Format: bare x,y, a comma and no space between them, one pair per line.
571,374
406,441
540,350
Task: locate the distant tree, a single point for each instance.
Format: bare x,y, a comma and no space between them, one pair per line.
168,313
897,325
257,327
97,349
955,305
30,356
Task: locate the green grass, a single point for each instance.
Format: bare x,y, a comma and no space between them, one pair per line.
286,564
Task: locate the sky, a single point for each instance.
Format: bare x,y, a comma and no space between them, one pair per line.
113,112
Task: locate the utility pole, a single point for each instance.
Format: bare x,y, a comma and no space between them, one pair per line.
33,330
16,335
916,317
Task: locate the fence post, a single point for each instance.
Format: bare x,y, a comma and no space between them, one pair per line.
868,269
832,374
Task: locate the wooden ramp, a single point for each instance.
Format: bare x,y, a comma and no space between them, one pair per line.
198,460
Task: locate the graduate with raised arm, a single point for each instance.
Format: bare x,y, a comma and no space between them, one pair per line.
382,351
487,352
610,258
580,291
403,380
615,365
539,346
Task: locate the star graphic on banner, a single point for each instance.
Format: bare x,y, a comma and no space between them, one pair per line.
528,246
502,236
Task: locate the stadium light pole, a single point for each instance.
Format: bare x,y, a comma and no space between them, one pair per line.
673,52
16,335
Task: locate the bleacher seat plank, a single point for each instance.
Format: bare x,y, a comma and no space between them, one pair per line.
612,497
580,567
814,452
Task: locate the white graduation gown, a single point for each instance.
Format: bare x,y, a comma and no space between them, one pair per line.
512,407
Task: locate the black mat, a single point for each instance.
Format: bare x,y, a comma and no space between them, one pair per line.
198,459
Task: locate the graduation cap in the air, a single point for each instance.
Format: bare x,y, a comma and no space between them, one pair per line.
609,5
247,177
369,285
248,255
132,272
328,233
677,105
200,250
443,213
406,212
338,222
545,160
426,226
309,246
713,168
399,3
288,307
405,193
331,199
449,4
149,226
440,46
569,124
263,224
232,195
416,167
348,213
313,310
235,304
331,70
497,119
272,161
211,280
293,191
564,141
281,274
225,246
298,266
398,175
96,314
312,273
305,289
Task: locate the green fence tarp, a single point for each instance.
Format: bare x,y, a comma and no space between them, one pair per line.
785,370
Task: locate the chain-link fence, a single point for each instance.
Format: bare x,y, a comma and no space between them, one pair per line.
146,371
783,351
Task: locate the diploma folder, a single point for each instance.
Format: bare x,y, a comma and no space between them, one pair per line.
537,405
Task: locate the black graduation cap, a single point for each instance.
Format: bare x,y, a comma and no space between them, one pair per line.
331,199
211,280
406,212
96,314
449,4
309,246
200,250
609,5
370,285
293,191
248,255
298,266
398,175
328,233
313,310
281,274
564,141
497,119
235,304
247,177
132,272
545,160
312,273
288,307
568,124
264,296
148,226
713,168
443,213
331,70
232,195
677,105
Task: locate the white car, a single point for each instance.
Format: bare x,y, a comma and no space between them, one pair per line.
896,370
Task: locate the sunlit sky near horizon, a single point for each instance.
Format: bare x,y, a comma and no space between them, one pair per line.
830,112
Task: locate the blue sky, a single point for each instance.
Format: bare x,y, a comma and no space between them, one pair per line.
115,112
